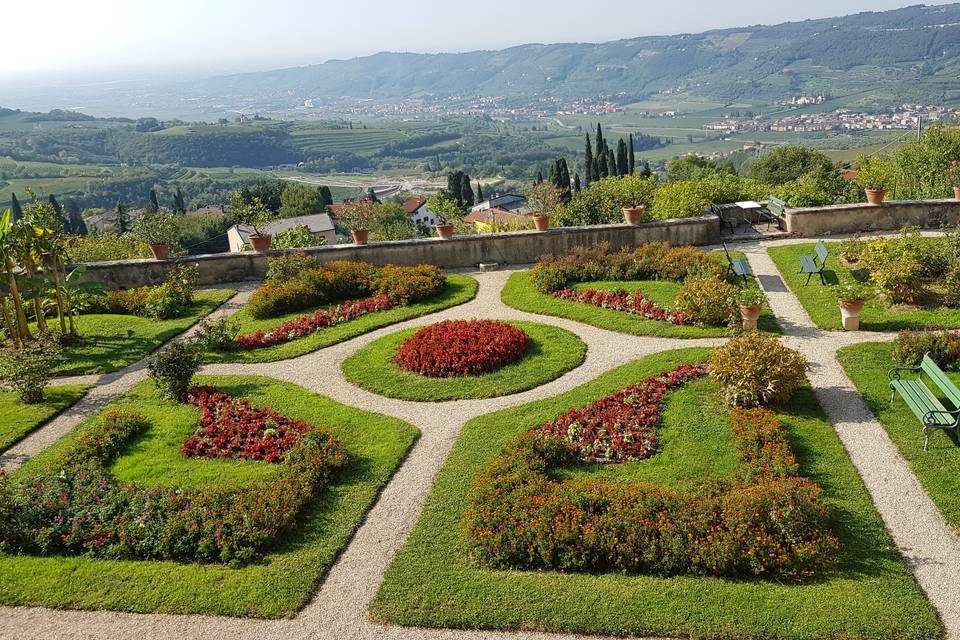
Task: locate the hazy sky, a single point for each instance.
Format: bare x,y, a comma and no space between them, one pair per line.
201,36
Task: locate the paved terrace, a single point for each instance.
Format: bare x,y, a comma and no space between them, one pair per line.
339,608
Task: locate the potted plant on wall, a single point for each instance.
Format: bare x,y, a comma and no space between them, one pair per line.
358,216
875,176
159,230
444,208
750,300
257,216
852,297
953,172
543,199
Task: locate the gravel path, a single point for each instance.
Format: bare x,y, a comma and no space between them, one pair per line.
339,609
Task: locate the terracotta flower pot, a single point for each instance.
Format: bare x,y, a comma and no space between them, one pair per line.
445,230
633,215
750,315
850,314
360,236
542,223
261,243
875,196
956,193
161,251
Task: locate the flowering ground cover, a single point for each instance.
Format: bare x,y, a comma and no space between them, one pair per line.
458,290
17,419
551,352
867,365
634,302
433,581
275,586
453,348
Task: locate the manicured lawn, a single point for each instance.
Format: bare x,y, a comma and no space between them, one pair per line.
937,469
286,578
820,302
459,289
17,419
520,293
553,352
113,341
432,582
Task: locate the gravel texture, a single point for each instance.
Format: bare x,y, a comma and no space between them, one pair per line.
339,609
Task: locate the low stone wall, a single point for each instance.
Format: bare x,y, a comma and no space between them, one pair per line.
852,218
459,252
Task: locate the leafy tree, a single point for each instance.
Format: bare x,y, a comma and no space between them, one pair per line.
601,201
623,161
691,167
121,219
790,162
300,199
588,160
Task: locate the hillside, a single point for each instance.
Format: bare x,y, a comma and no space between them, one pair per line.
904,54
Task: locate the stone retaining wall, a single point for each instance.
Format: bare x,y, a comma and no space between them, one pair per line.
459,252
817,222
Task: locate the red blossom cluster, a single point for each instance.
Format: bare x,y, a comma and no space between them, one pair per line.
622,425
231,428
620,300
462,348
304,325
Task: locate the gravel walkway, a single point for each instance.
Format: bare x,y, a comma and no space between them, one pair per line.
339,609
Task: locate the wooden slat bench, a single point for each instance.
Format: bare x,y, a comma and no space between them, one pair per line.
740,268
815,264
924,403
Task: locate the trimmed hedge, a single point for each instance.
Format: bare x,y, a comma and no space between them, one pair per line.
77,507
769,523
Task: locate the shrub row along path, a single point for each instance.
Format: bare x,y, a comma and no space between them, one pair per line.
339,609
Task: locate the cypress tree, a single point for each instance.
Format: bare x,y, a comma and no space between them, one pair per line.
631,160
467,191
604,170
539,177
552,176
601,143
64,223
588,160
16,212
154,204
596,168
576,183
455,186
479,192
612,163
622,161
179,206
563,180
121,221
326,196
77,225
645,172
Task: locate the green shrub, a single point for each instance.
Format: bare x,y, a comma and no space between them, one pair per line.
952,287
296,237
874,172
289,265
912,344
156,228
756,369
163,301
406,285
707,300
103,247
851,250
173,367
28,370
602,200
217,335
897,273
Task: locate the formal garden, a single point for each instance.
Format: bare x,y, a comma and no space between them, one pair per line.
614,442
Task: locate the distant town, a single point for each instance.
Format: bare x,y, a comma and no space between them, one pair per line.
906,116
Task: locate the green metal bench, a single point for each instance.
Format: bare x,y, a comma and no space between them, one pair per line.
773,211
727,217
740,268
815,264
924,403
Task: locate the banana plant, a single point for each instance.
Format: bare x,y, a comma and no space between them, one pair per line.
9,243
77,293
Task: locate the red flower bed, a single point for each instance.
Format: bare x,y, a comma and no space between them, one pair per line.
462,348
231,428
621,426
304,325
635,303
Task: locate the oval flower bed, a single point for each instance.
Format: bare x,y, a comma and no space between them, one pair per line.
636,303
462,348
549,353
770,522
79,507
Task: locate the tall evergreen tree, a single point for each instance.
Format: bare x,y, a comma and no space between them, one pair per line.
603,169
326,196
57,209
596,167
645,171
588,160
576,183
372,195
479,192
154,204
631,159
612,163
121,220
601,143
563,180
539,177
623,161
455,186
466,193
78,226
179,206
16,211
552,177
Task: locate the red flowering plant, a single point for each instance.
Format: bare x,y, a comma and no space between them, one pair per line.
635,303
622,425
77,507
231,427
462,348
304,325
770,522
